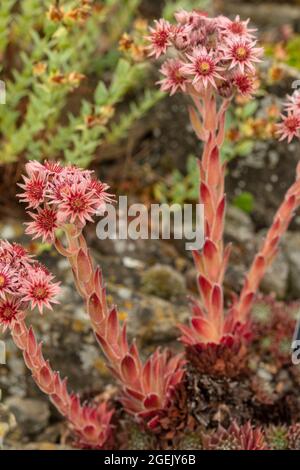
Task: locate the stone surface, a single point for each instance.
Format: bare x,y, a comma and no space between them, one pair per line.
164,282
7,422
154,321
32,416
238,225
265,14
276,278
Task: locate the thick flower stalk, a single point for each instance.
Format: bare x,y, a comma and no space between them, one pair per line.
26,283
67,198
213,59
268,251
146,387
288,128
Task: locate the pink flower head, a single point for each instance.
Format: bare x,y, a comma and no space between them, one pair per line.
203,68
159,38
44,224
175,79
244,84
14,254
70,195
22,281
7,280
34,167
79,203
34,190
49,167
19,252
181,36
289,127
239,28
10,311
39,290
191,18
101,194
242,53
53,167
39,267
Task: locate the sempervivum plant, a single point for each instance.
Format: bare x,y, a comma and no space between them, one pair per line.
212,61
66,198
236,438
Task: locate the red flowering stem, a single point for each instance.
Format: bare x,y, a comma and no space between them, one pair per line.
146,387
90,424
211,261
210,323
269,249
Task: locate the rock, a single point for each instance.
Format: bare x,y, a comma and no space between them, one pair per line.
154,320
234,278
7,422
164,282
16,445
136,438
46,446
191,279
238,226
291,247
10,230
132,263
150,319
268,172
276,278
31,415
54,432
264,13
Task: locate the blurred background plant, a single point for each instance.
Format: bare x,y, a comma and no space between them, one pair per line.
286,50
178,188
67,75
76,76
78,82
247,122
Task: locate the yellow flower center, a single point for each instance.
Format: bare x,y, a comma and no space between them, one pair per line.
241,52
8,312
78,204
40,292
204,67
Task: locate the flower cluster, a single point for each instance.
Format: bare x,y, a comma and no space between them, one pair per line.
24,283
58,195
289,126
214,53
